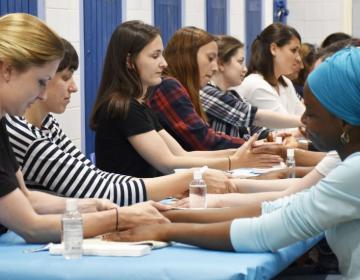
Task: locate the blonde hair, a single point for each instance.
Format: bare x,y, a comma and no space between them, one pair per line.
26,41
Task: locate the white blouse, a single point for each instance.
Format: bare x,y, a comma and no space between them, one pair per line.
258,92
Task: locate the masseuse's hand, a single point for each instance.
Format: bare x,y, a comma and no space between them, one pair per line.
218,181
88,205
141,233
250,156
146,213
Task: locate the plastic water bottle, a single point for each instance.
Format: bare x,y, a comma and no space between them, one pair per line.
290,163
197,191
72,230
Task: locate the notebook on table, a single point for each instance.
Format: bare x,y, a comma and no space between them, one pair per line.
100,247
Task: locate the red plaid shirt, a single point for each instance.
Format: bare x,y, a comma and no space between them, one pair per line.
172,104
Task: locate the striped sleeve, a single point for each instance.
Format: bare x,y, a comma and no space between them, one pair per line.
57,165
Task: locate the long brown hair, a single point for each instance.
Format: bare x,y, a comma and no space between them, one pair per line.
261,59
120,83
181,56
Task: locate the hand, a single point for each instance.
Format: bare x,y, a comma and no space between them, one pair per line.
273,149
88,205
217,181
142,214
140,233
291,142
248,155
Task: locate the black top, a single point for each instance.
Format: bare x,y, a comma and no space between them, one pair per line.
8,165
114,153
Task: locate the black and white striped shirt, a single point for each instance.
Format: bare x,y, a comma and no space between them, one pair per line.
50,160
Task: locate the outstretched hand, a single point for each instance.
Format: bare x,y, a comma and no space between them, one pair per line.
251,155
145,213
140,233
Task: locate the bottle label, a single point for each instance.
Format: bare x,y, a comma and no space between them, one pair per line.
72,237
197,196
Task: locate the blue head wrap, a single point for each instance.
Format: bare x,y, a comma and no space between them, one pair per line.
336,84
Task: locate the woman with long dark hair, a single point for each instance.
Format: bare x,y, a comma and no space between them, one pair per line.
274,54
129,137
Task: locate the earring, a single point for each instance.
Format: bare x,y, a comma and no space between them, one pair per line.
345,138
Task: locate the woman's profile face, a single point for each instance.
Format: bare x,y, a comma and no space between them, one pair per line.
59,91
322,128
234,70
207,62
150,63
286,58
25,87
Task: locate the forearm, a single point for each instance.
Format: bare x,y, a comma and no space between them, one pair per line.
308,158
250,202
214,236
213,215
275,120
44,203
48,227
214,154
159,188
252,186
169,164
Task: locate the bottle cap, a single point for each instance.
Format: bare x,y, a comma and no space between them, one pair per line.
290,152
71,205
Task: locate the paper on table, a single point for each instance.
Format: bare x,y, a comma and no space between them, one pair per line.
250,172
99,247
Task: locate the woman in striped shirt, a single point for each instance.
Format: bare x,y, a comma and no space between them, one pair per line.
50,160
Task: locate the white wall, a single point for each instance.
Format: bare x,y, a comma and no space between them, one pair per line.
138,10
237,19
356,18
64,17
315,19
194,13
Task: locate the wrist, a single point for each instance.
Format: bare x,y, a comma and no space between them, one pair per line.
303,144
166,232
230,186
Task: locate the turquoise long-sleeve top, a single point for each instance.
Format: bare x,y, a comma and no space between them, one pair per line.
332,205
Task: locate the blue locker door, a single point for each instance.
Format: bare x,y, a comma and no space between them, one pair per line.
18,6
167,17
253,9
216,16
100,19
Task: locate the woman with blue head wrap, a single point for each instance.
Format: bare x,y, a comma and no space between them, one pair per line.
332,119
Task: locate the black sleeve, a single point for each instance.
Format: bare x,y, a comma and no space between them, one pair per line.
8,163
138,120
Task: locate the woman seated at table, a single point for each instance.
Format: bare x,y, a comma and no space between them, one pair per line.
332,96
30,53
50,160
191,55
274,53
225,109
129,138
